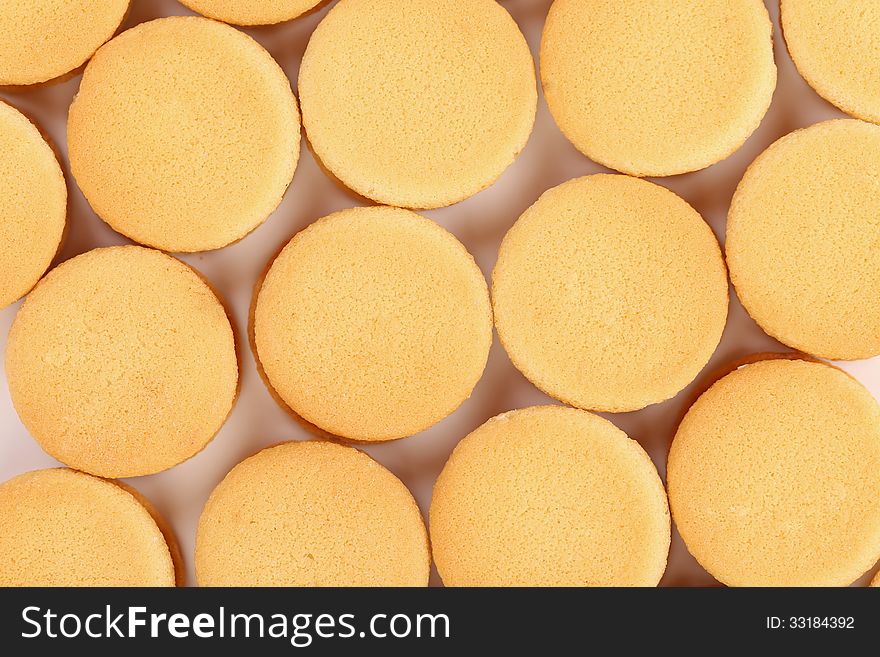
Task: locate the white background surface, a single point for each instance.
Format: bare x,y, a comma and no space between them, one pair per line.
479,222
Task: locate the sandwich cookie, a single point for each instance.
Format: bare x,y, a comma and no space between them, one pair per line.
657,88
835,45
45,39
417,103
311,514
65,528
122,362
549,496
33,205
610,293
252,12
803,240
774,476
373,324
188,149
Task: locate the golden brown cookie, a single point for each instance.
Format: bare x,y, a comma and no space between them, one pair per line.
610,293
373,324
803,240
835,45
252,12
33,205
61,527
188,149
774,476
417,103
45,39
311,514
658,88
122,362
549,496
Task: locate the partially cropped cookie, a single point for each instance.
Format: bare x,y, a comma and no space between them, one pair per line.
252,12
657,88
33,205
774,476
373,324
45,39
311,514
65,528
417,103
610,293
835,45
803,240
122,362
549,496
191,147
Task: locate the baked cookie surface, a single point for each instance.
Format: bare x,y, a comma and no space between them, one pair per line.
45,39
835,45
610,293
549,496
373,324
311,514
657,88
417,103
122,362
802,239
774,476
252,12
60,527
33,205
188,149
